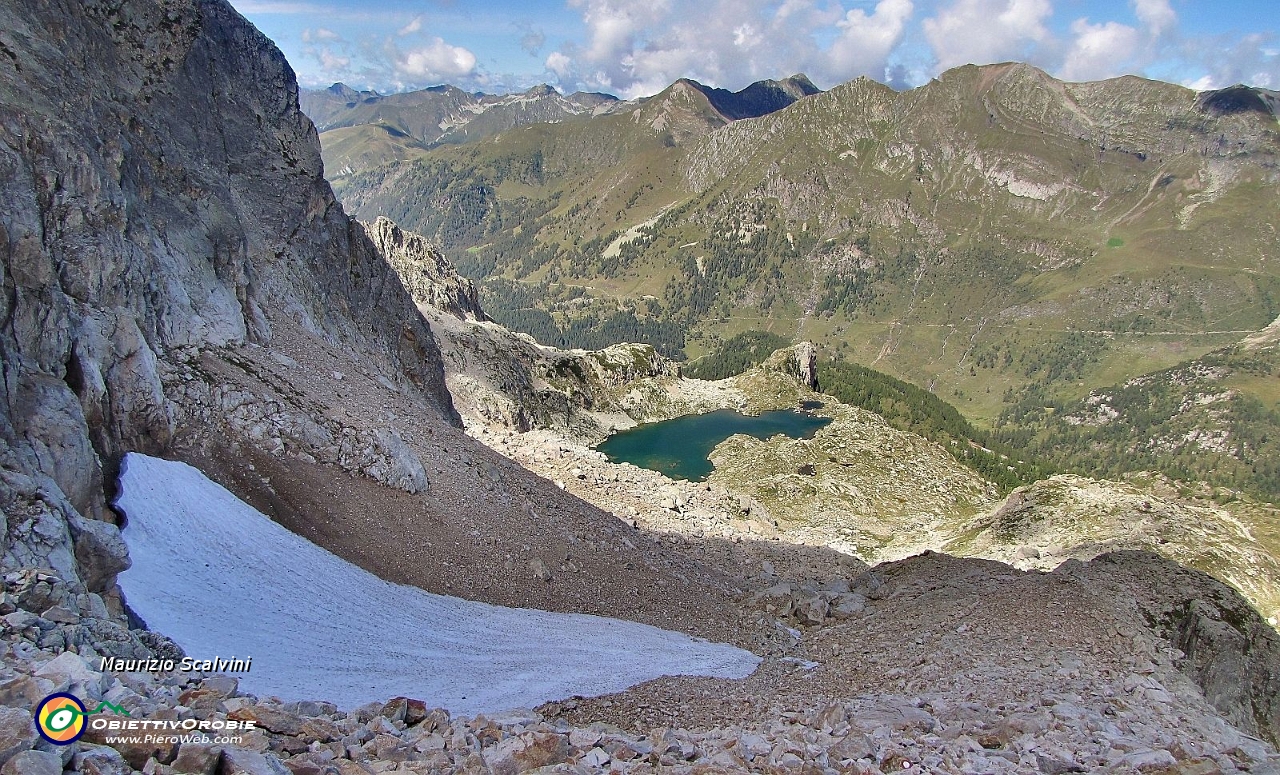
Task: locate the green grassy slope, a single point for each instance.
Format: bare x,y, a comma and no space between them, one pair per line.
996,237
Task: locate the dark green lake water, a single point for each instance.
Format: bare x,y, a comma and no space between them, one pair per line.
680,448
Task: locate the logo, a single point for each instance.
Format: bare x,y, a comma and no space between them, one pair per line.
60,718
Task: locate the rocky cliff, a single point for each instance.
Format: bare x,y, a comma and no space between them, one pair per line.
173,201
179,280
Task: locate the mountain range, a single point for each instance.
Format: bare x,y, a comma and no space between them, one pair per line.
997,236
363,129
180,283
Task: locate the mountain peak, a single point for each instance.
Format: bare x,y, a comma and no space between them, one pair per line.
542,90
1238,99
802,82
760,98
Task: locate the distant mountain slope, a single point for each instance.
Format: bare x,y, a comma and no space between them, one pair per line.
990,232
760,98
361,130
364,129
443,113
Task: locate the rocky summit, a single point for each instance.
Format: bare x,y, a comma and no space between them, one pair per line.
179,280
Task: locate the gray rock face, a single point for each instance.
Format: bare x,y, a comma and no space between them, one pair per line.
807,364
428,276
160,190
800,361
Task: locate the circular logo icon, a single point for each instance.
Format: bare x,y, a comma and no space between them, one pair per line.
60,718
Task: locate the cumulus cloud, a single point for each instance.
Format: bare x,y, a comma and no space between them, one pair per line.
560,64
1109,49
435,61
985,31
332,62
1156,15
1249,60
1099,50
638,47
866,40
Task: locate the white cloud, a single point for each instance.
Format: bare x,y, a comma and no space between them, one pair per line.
985,31
746,36
333,63
411,27
560,64
1100,50
1155,15
436,61
319,34
866,41
638,47
1110,48
1224,63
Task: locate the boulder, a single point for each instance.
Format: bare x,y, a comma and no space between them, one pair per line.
33,763
197,759
242,761
17,733
101,760
271,719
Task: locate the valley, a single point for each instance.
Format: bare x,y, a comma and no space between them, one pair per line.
361,451
1008,242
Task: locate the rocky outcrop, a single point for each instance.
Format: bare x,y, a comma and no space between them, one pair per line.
799,362
1221,642
173,201
428,276
1042,525
508,380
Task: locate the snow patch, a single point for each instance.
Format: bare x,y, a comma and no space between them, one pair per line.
222,579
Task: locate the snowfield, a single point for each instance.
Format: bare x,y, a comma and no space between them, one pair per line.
223,580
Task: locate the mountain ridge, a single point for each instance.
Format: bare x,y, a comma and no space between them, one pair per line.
178,278
994,233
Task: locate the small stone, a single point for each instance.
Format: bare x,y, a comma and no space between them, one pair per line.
224,686
395,708
133,747
72,668
415,711
20,620
811,610
596,758
303,767
319,730
583,738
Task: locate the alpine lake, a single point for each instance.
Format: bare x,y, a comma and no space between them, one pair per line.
681,448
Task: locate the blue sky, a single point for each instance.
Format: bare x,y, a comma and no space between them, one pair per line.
636,47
